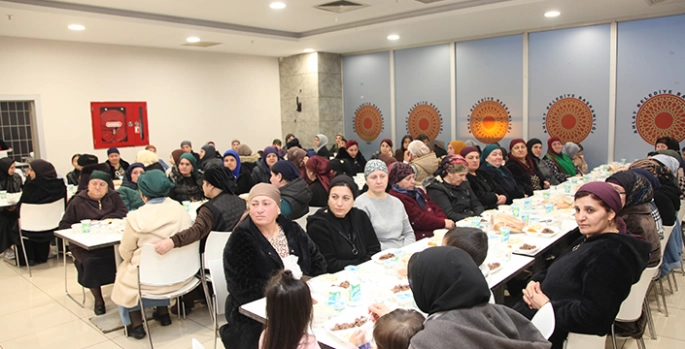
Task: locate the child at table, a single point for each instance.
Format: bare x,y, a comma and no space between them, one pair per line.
393,329
472,240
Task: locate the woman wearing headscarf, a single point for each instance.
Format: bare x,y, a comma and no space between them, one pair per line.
588,282
424,215
492,163
386,212
666,192
487,190
636,193
534,147
449,287
299,158
344,234
454,194
243,179
117,165
72,177
670,159
385,148
259,246
455,147
129,187
295,194
147,158
248,160
353,155
262,172
404,145
574,152
319,174
42,187
209,158
424,162
187,181
561,165
523,169
320,143
10,182
95,267
160,218
174,158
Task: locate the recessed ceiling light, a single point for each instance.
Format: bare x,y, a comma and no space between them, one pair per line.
193,39
76,27
277,5
308,50
552,14
393,37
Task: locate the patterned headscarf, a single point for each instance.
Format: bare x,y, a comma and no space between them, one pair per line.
399,172
451,164
638,189
373,166
655,168
648,176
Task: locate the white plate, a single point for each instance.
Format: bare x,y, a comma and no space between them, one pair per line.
531,251
556,231
377,257
492,271
344,335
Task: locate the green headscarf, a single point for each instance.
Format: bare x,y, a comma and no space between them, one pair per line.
154,184
189,157
561,160
101,175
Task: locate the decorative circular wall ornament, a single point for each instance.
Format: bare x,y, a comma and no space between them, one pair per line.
424,118
570,118
368,122
660,114
489,120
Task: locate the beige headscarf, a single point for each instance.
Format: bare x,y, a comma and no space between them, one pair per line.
147,157
418,148
265,189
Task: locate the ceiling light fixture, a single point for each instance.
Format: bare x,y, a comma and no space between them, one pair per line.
193,39
76,27
308,50
277,5
552,14
393,37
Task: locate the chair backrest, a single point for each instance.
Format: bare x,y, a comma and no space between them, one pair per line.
216,270
631,308
214,247
544,320
681,213
41,217
179,264
668,229
584,341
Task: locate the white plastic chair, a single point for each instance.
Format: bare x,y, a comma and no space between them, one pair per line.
544,320
179,265
216,268
632,307
197,344
656,277
37,218
584,341
214,250
302,221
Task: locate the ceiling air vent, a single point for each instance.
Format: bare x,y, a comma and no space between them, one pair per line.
429,1
202,44
340,6
658,2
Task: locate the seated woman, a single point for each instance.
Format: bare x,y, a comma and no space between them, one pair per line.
319,175
455,147
492,163
422,160
636,193
299,158
117,165
666,191
449,287
295,194
209,158
669,159
351,152
386,212
534,147
10,181
174,158
385,148
399,153
160,218
454,194
572,150
129,187
424,215
262,172
487,190
243,178
187,180
72,177
42,187
344,234
559,163
320,143
95,267
522,167
259,247
588,282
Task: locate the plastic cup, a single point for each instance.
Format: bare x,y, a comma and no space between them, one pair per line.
515,211
85,225
546,194
3,195
623,161
549,208
504,233
525,216
186,205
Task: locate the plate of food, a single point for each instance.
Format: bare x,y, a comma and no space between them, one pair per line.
402,287
493,266
381,257
526,248
343,326
533,229
548,232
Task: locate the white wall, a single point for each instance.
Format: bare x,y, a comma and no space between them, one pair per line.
190,95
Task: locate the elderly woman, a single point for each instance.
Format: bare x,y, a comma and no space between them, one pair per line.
448,286
455,147
487,190
320,143
95,267
422,160
295,194
258,247
636,194
666,192
243,179
588,282
670,159
522,167
160,218
534,147
352,154
117,165
10,181
42,187
404,145
319,174
492,163
174,158
262,172
209,158
385,148
424,215
561,165
299,158
187,181
129,188
454,194
574,152
343,233
386,212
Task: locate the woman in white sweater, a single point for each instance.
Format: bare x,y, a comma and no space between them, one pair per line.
386,212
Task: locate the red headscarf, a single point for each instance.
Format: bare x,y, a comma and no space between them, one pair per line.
322,168
549,145
350,143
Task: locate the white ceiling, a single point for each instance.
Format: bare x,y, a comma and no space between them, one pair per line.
251,27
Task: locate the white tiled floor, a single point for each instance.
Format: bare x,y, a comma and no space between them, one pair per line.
35,313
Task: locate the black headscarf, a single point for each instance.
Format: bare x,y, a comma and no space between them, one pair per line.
43,169
638,189
5,164
446,278
128,180
87,159
220,177
530,144
648,176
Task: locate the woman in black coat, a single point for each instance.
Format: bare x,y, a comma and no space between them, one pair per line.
256,250
454,194
10,182
351,152
242,176
523,168
343,233
666,191
487,190
491,162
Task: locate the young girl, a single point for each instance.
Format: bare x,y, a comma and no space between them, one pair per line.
393,329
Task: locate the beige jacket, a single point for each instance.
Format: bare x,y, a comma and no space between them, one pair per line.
425,167
147,225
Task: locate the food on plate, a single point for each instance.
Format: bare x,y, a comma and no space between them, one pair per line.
562,202
402,272
547,231
400,288
531,230
506,220
358,322
494,265
432,243
386,256
527,247
344,284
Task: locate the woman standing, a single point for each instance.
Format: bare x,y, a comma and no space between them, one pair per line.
454,195
534,147
95,267
399,153
588,282
319,175
320,143
10,182
522,167
491,162
258,248
262,172
243,179
488,191
387,214
187,181
129,188
351,152
561,165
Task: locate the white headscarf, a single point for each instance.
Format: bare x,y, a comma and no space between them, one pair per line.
668,161
418,148
323,141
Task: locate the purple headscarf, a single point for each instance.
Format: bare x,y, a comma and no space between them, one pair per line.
605,192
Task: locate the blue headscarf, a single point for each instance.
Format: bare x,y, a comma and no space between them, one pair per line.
128,181
267,151
234,154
